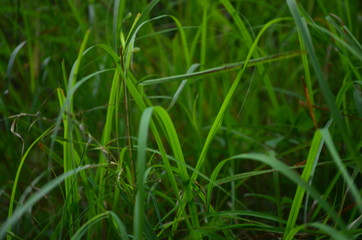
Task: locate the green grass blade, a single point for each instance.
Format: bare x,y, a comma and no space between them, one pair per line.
181,87
77,15
355,51
341,167
170,131
11,64
86,227
334,234
117,14
70,156
118,225
224,68
330,231
293,176
17,176
324,86
39,195
138,220
141,20
247,38
314,152
149,233
219,118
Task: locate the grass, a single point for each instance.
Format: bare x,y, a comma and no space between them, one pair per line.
180,120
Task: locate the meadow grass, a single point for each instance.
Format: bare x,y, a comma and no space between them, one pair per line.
181,119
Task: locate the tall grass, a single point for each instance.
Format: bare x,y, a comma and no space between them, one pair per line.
181,120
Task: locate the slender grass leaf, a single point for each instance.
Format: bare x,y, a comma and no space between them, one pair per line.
118,225
17,176
247,38
314,152
138,221
293,176
86,227
224,68
341,166
219,118
11,64
15,217
324,86
181,87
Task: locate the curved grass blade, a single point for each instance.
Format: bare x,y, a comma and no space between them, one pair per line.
118,225
140,101
219,118
293,176
6,226
323,84
259,215
224,68
170,131
85,228
17,176
248,40
141,19
181,87
313,156
77,15
11,64
341,166
334,234
117,14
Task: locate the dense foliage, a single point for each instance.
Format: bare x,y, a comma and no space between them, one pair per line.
204,119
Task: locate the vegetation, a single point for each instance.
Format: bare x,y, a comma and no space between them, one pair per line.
181,119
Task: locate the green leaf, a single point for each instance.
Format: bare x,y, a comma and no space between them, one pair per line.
15,217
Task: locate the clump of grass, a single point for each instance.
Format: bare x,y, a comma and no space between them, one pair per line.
198,120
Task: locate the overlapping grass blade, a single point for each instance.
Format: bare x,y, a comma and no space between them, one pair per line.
141,20
118,225
314,152
219,118
138,219
249,45
77,15
38,195
324,86
70,157
185,184
170,131
17,176
341,166
117,15
293,176
224,68
334,234
181,87
86,227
